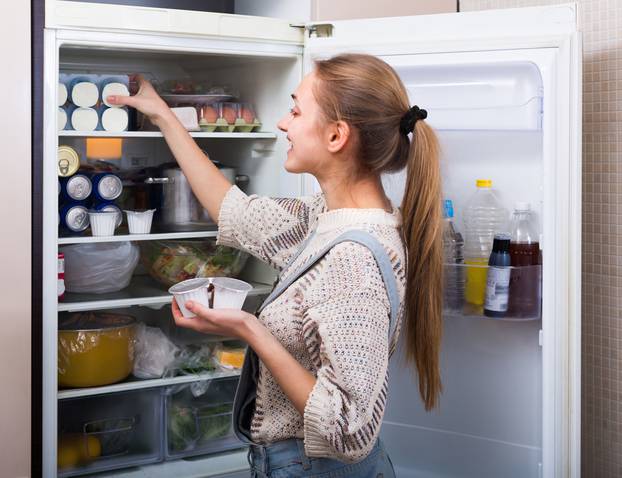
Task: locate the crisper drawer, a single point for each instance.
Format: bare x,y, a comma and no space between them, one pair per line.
198,418
109,431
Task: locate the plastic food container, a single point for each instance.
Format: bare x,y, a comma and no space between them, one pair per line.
103,223
95,349
139,222
199,424
192,289
170,262
229,293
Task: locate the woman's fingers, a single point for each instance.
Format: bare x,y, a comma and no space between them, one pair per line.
123,100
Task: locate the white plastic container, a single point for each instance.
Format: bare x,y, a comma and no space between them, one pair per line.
111,87
139,222
62,118
114,120
62,94
83,91
84,119
103,223
191,289
229,293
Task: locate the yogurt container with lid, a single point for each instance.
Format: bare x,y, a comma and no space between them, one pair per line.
191,289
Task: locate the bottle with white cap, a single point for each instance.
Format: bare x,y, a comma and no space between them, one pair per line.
526,259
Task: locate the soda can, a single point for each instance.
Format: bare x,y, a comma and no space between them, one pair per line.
110,207
74,217
68,161
76,188
106,187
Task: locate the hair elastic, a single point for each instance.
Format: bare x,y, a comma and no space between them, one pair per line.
414,114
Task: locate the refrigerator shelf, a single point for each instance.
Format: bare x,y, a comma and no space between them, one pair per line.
142,291
456,314
157,134
138,384
136,237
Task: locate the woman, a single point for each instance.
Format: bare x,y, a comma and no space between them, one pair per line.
312,404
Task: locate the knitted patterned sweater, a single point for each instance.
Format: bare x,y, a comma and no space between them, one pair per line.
334,319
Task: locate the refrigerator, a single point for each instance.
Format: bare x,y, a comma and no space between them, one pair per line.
503,91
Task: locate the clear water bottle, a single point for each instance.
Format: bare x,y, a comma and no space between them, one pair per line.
484,216
453,245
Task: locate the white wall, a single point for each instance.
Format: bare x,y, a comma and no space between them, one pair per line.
15,202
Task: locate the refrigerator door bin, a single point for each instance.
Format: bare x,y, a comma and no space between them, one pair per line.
119,430
494,96
198,418
465,288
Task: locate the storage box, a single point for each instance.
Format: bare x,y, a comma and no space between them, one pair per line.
198,418
108,432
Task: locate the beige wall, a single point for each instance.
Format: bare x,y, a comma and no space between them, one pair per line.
601,393
348,9
15,202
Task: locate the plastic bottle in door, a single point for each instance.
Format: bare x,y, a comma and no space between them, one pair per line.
483,217
498,278
526,258
453,245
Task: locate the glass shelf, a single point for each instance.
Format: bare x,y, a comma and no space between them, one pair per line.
465,287
143,291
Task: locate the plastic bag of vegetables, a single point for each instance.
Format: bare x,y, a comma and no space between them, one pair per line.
170,262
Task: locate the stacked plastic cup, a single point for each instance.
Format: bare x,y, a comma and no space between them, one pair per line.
103,223
229,293
191,289
139,222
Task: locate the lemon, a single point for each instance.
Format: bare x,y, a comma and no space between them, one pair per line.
75,449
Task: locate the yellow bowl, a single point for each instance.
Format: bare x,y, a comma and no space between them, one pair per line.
95,349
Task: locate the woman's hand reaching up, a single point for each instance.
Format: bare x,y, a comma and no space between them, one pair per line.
147,101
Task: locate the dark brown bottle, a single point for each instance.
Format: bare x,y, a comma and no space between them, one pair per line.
526,260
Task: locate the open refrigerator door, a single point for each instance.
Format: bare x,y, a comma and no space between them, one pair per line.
502,90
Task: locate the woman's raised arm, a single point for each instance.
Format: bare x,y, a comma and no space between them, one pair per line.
208,183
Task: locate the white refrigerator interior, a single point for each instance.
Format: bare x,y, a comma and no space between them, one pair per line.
502,90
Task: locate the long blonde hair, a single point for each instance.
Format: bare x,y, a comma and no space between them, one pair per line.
367,93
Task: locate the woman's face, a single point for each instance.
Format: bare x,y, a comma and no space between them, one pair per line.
303,125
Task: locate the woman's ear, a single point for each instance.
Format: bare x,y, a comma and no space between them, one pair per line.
337,136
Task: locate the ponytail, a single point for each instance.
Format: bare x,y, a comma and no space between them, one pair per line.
422,226
368,94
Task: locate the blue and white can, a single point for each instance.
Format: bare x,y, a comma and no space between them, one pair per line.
106,187
76,188
74,217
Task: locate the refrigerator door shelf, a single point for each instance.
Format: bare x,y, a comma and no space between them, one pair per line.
488,96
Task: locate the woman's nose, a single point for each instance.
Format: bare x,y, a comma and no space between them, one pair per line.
282,124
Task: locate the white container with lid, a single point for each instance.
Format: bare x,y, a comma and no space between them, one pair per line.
139,222
229,293
103,223
114,120
83,91
191,289
84,119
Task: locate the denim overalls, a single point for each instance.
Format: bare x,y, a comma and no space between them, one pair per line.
287,458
